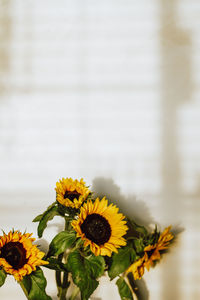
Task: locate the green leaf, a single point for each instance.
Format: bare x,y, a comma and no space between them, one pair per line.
124,290
152,238
38,218
63,210
96,265
47,216
61,242
34,286
121,261
85,271
3,276
137,230
55,264
138,245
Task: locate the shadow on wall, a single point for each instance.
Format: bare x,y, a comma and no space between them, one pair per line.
134,209
129,205
176,89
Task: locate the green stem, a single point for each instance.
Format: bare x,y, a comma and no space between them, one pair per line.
78,243
58,278
65,283
62,285
67,223
63,294
23,288
130,282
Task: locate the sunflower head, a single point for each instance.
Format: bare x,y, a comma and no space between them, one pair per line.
153,251
101,227
151,254
71,193
18,256
137,268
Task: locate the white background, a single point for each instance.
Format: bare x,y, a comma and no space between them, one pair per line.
109,91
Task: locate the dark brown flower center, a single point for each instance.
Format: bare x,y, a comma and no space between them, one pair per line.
96,228
71,195
149,253
15,254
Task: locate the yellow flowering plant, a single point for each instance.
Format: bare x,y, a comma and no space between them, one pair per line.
22,259
96,238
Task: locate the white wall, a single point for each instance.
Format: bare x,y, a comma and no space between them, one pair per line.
107,91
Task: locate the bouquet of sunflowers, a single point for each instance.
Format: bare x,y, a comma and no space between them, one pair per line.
96,238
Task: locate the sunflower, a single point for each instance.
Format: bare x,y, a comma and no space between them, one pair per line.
18,256
151,254
137,268
101,227
71,193
152,251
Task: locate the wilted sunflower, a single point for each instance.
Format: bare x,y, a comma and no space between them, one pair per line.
151,254
137,268
18,256
152,251
71,193
101,227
